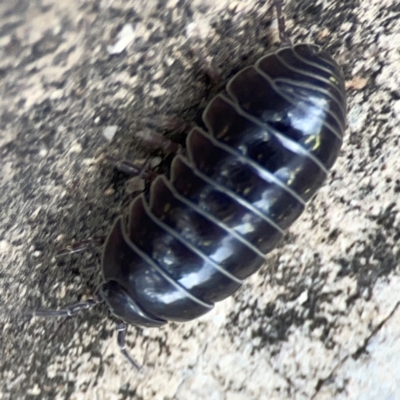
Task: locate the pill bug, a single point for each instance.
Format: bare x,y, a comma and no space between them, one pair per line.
271,137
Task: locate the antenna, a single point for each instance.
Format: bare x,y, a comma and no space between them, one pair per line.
74,309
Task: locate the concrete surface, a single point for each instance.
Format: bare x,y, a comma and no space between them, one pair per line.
321,320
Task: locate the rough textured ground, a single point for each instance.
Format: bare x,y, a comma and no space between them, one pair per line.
321,319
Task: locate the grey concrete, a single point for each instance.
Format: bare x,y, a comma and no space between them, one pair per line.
77,78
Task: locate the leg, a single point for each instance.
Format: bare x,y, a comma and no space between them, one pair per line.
174,124
210,68
158,141
121,343
69,311
139,174
81,246
283,36
131,168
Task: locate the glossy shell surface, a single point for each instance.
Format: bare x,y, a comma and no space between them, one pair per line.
271,138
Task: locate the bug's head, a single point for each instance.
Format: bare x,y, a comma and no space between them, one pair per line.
123,306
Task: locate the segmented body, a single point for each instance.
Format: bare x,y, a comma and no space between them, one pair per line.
272,137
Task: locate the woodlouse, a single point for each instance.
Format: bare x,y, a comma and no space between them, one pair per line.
271,138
